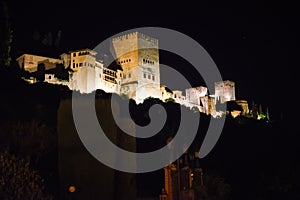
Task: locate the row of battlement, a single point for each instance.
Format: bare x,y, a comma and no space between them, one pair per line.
135,35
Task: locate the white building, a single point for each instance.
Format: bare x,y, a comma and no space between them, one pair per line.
138,75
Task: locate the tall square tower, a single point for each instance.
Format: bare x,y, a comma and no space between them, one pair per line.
138,56
225,91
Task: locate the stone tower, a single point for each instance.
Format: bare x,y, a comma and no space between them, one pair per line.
138,56
225,91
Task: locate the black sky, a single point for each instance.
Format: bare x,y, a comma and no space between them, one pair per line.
254,44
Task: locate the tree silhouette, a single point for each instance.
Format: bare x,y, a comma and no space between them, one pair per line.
5,35
29,140
18,181
213,188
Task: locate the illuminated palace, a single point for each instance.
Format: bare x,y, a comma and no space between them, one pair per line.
137,75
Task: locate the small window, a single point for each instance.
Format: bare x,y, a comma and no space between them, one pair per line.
129,75
49,77
124,76
73,65
145,76
152,77
149,76
99,75
80,64
76,64
121,75
74,54
129,60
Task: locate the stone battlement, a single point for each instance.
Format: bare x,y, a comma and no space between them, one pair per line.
134,35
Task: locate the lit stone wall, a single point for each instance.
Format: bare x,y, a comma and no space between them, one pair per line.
88,79
165,94
138,56
193,94
208,105
83,80
225,91
30,62
244,105
82,58
50,78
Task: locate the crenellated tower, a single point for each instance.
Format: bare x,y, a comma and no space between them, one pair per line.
138,56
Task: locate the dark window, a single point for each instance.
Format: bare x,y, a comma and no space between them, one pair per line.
73,65
49,77
145,76
76,64
149,76
152,77
74,54
124,76
80,64
129,75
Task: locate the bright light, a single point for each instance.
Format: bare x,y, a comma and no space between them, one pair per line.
72,189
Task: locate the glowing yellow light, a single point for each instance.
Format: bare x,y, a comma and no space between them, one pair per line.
192,174
72,189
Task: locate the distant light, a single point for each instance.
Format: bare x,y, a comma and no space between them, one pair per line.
192,174
72,188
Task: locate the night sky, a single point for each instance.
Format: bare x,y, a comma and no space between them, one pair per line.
253,44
